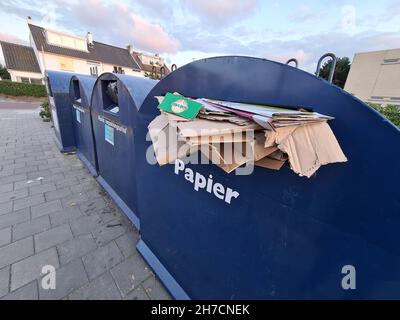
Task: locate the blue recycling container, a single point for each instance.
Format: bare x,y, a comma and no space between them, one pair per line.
57,85
80,90
116,100
332,236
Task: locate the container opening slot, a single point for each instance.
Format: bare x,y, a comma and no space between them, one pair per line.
110,96
77,91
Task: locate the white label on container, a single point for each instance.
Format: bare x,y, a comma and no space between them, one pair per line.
109,134
78,115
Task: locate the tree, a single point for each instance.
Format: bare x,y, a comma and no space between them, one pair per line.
4,73
153,76
341,71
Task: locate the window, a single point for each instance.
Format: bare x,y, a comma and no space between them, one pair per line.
66,64
29,80
118,70
94,71
36,81
67,41
391,61
93,68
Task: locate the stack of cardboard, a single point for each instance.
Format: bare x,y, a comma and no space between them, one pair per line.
233,134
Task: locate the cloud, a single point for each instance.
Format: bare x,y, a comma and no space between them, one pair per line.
182,27
158,8
301,56
304,14
310,48
12,38
221,12
117,23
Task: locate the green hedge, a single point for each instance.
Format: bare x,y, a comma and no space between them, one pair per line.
390,112
22,89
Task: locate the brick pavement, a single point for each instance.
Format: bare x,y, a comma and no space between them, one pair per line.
53,212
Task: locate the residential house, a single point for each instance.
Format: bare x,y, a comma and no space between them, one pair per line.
375,77
59,51
21,63
151,65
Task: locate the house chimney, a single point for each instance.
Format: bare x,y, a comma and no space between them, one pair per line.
29,19
129,47
89,39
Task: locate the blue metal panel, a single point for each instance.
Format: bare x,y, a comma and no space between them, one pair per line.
57,84
81,88
285,236
115,137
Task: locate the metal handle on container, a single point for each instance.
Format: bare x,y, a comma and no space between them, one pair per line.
333,66
296,62
173,67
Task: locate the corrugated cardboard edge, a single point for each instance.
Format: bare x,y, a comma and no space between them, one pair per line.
270,163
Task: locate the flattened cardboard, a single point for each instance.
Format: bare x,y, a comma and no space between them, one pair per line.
273,138
233,119
278,155
224,138
231,156
229,161
270,163
311,146
166,146
201,127
259,150
173,117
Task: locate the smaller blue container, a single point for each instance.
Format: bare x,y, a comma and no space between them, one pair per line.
80,90
116,100
57,84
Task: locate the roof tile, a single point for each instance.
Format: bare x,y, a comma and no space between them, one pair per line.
99,52
19,57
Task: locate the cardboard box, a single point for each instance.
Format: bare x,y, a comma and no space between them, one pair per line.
201,127
308,147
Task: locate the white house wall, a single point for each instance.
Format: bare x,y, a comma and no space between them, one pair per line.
16,75
372,80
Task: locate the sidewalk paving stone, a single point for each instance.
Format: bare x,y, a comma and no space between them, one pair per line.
5,236
102,259
76,248
68,278
30,268
102,288
4,280
53,212
16,251
31,227
130,273
28,292
52,237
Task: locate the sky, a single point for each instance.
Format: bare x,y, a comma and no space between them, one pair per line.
185,30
